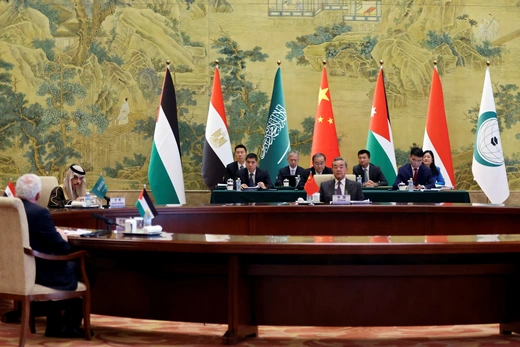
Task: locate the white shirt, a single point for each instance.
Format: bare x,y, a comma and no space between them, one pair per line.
343,181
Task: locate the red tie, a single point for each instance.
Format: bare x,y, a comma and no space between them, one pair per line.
415,175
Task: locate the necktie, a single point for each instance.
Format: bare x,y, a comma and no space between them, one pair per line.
338,189
241,167
365,178
293,172
415,175
251,180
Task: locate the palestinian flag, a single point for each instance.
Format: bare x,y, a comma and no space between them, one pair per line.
144,204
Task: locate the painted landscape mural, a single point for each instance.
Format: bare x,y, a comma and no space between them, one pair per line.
80,80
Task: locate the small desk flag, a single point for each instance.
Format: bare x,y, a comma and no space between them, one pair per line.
311,187
10,190
144,204
100,188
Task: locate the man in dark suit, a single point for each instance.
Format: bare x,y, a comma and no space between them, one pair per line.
240,163
340,185
416,170
253,176
371,175
293,169
46,238
318,168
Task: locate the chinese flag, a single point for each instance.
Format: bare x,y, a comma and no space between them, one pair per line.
311,186
325,139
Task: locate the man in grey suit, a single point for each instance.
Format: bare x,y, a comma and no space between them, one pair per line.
340,185
371,175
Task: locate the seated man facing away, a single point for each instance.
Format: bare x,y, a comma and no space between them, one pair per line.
371,175
252,175
340,185
318,168
74,186
420,174
44,237
240,163
293,169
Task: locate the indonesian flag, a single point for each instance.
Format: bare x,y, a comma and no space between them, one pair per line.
436,137
379,141
144,204
311,187
10,190
217,147
488,165
165,169
325,139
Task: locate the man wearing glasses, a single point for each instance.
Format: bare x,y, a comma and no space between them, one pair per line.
416,170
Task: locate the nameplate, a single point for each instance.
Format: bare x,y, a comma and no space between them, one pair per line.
117,202
341,199
120,221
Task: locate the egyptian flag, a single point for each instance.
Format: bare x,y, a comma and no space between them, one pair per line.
436,137
217,147
325,138
10,190
165,169
379,141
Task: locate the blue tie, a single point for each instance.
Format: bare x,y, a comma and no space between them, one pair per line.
251,181
338,189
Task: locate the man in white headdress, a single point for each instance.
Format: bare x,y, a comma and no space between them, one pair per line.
74,186
122,119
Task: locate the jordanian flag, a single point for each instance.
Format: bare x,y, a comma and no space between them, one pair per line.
436,137
488,165
144,204
165,169
217,147
379,141
276,143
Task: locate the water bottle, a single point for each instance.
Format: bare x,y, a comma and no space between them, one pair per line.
88,200
410,185
147,219
229,185
359,180
238,184
297,181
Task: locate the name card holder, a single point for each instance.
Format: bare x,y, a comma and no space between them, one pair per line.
117,202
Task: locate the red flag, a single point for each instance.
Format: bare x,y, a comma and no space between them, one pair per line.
325,139
436,137
311,186
10,190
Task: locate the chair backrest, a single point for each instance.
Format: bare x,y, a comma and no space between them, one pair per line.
327,177
48,184
17,270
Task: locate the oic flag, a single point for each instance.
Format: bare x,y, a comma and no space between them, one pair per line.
144,204
436,137
100,188
165,169
325,139
217,147
488,165
379,141
311,187
276,143
10,190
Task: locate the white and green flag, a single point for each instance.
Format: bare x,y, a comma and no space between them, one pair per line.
276,143
488,165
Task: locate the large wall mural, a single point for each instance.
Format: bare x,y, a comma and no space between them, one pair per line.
80,80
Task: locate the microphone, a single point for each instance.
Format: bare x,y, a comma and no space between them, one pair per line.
107,221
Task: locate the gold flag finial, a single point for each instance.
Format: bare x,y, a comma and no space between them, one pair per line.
216,63
279,63
324,62
168,62
381,62
435,62
488,63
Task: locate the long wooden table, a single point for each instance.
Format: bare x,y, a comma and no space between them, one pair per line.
374,194
274,219
246,281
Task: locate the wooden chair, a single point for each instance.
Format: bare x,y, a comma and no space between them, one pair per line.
18,268
48,184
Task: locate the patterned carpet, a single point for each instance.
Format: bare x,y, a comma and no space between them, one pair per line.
113,331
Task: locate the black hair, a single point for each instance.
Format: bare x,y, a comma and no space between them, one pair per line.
252,156
240,146
433,167
417,152
319,155
363,151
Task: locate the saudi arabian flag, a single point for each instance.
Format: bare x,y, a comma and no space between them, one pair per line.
379,142
488,165
100,188
276,143
165,169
